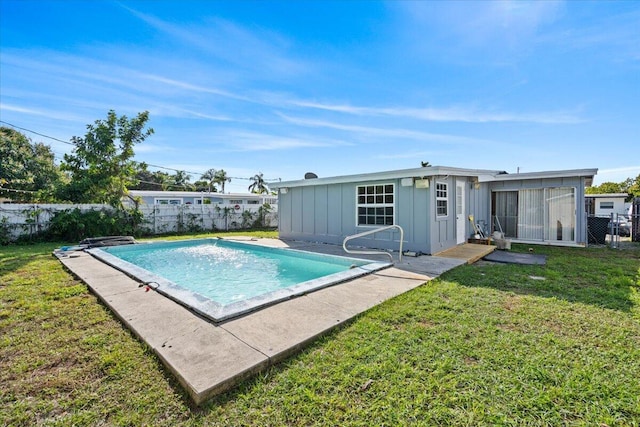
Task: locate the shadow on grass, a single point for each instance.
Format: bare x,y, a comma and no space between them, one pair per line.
14,257
601,277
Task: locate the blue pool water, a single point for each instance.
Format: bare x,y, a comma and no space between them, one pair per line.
222,279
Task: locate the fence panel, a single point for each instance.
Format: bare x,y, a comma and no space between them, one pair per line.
22,220
31,219
635,220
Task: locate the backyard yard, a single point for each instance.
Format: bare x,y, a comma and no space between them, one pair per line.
484,344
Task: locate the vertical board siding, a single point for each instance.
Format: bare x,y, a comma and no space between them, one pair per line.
334,209
309,214
296,210
321,210
327,212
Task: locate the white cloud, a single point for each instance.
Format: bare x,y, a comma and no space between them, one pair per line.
630,170
192,87
509,24
618,174
255,141
453,114
53,113
613,36
368,132
255,52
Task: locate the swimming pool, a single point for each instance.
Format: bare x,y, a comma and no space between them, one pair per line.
221,279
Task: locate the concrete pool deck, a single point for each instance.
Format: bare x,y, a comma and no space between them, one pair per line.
209,359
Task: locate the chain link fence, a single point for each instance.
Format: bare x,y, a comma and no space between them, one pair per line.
635,220
613,229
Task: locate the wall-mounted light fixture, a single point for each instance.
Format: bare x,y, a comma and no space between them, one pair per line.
422,183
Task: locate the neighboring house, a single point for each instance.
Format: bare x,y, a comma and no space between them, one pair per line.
433,204
607,204
237,201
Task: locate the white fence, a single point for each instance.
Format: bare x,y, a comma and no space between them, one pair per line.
31,219
161,219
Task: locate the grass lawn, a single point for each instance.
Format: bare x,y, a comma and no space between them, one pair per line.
486,344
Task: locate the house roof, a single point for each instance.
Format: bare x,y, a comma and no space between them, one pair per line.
607,196
154,193
483,175
588,173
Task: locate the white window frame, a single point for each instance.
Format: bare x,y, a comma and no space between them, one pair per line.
167,201
442,195
376,200
547,233
606,205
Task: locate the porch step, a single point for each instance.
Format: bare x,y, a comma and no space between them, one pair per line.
470,252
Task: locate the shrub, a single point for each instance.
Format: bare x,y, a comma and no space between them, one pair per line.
74,224
5,232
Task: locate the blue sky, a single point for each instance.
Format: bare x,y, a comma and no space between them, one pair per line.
334,87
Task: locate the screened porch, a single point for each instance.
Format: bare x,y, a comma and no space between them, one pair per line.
538,214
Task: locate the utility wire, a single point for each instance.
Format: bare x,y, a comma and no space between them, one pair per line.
16,190
148,164
28,130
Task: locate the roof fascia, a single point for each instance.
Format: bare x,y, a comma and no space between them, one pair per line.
588,173
381,176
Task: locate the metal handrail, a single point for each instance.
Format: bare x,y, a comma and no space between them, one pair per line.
366,233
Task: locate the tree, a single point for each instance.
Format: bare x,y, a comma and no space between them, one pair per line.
27,170
147,180
221,178
204,186
605,188
180,181
631,186
258,186
210,177
101,164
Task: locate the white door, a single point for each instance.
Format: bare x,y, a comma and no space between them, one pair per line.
461,220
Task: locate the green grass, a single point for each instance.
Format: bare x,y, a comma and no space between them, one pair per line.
486,344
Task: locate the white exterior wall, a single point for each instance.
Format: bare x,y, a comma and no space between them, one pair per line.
602,201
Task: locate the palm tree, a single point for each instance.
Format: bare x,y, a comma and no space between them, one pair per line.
220,177
258,185
181,180
210,177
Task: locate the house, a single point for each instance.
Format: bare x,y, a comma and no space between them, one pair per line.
237,200
434,205
607,204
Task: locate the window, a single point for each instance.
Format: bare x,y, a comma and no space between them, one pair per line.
168,201
606,205
538,214
442,199
235,201
375,204
505,212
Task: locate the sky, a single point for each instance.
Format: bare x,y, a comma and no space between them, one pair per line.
333,87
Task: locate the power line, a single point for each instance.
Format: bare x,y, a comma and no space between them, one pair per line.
148,164
16,190
40,134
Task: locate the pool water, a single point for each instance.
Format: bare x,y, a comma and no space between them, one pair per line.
223,279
